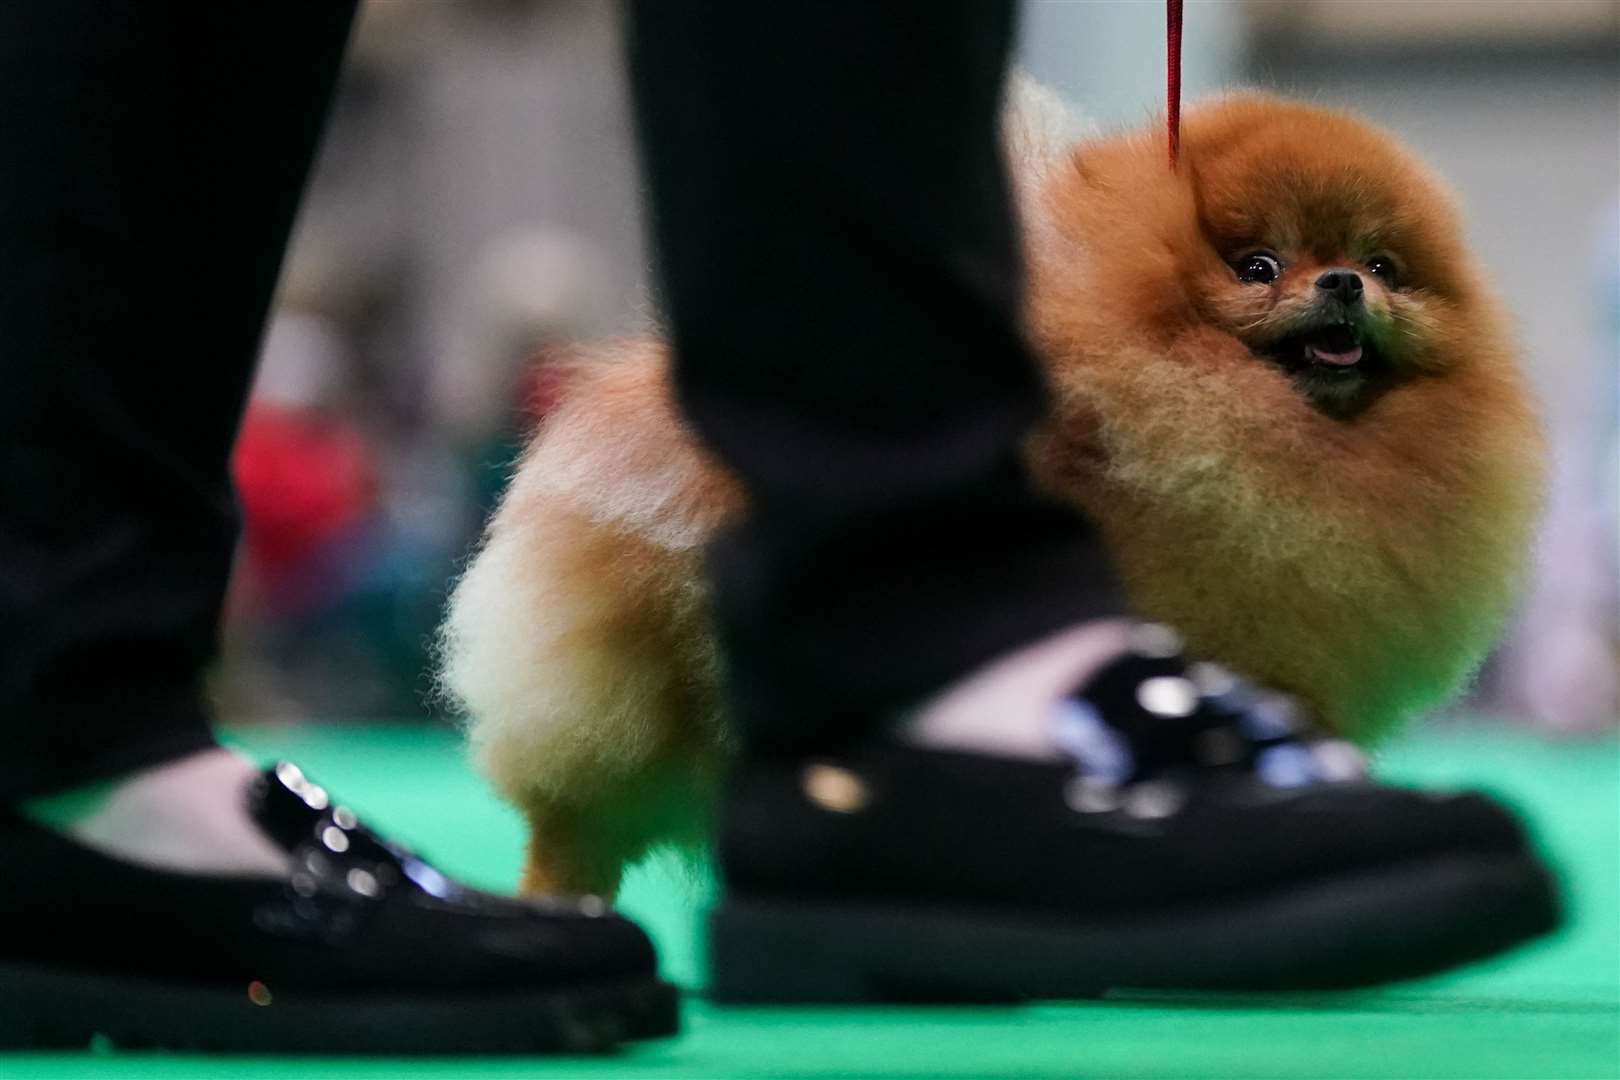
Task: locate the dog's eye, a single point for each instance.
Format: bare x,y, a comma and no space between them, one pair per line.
1260,268
1383,268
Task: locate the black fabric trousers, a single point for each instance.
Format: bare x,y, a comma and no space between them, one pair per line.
152,153
840,262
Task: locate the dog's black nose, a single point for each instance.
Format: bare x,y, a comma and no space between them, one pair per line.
1345,285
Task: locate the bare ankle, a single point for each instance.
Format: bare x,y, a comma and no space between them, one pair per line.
188,814
1004,706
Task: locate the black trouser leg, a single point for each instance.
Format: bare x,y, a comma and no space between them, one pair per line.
152,154
839,258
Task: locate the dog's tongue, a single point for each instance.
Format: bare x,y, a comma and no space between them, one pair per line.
1345,358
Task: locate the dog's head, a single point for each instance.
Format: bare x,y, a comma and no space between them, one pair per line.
1306,235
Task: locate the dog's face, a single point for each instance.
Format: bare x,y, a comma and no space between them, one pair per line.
1341,257
1330,326
1309,237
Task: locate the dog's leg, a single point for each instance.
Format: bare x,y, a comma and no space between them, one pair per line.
564,859
585,847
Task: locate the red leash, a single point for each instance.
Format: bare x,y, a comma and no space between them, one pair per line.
1172,60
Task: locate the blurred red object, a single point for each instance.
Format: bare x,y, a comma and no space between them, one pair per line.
539,384
305,479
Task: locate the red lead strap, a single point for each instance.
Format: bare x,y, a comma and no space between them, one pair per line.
1172,60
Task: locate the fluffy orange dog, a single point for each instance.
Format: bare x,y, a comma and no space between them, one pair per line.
1280,384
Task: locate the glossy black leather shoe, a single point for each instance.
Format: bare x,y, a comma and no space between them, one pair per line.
1198,837
365,949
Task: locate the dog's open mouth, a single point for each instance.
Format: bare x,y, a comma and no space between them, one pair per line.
1334,365
1330,349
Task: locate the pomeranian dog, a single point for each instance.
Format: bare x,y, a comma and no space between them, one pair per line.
1279,382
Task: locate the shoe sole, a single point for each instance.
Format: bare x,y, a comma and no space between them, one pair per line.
1360,930
42,1008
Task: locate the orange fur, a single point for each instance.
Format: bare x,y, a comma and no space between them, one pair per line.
1363,561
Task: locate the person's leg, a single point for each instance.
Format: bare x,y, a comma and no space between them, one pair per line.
154,155
151,159
832,214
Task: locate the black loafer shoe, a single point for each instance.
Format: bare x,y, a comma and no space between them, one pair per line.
365,949
1200,838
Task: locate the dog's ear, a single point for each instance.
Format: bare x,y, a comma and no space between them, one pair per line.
1038,128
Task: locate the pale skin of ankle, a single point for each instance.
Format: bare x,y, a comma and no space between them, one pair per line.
188,815
1005,707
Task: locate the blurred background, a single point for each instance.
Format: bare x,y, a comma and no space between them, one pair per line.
476,205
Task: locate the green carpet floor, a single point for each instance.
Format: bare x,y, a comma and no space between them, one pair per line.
1549,1011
